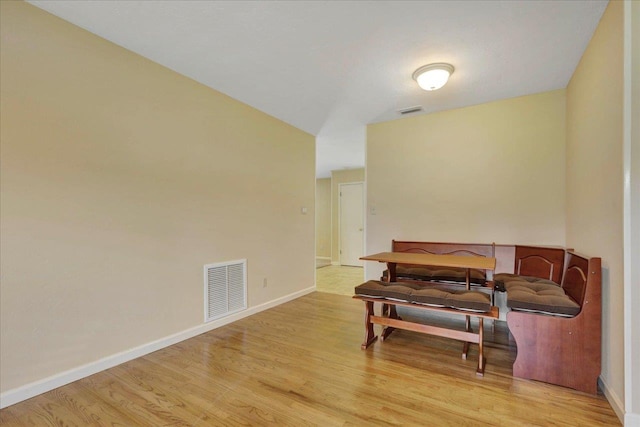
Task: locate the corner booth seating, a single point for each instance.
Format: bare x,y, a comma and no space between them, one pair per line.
557,329
553,296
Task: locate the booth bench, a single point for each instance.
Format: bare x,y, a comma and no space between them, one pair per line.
553,294
557,329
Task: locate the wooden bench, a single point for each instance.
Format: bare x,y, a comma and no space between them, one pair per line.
561,348
459,303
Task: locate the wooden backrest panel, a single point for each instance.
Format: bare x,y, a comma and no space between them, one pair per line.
539,261
575,277
439,248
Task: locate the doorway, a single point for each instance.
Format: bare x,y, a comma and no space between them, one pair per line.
351,217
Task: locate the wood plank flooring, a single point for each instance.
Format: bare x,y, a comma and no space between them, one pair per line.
300,364
339,279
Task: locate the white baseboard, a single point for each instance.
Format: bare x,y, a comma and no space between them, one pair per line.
335,263
35,388
614,400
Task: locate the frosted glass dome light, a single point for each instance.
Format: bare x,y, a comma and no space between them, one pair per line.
433,76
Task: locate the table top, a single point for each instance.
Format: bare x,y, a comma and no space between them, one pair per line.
461,261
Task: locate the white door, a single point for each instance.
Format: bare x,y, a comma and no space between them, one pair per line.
351,223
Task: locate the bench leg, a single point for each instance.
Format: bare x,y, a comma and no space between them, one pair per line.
390,310
481,360
465,346
370,336
392,314
386,331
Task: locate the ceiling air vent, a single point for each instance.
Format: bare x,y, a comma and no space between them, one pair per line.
225,289
410,110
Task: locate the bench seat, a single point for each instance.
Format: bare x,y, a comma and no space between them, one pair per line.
540,298
433,295
438,274
505,278
564,348
467,303
527,293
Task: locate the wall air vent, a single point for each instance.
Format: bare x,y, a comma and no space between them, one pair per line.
225,289
410,110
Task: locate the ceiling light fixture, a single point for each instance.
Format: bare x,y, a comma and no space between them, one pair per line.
433,76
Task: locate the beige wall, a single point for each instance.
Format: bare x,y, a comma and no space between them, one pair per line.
595,177
340,177
488,173
323,217
120,180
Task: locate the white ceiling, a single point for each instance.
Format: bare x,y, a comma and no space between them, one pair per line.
331,67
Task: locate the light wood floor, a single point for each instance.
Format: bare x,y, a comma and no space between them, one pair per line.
337,279
301,364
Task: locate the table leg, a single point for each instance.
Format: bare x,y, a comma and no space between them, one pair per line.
481,360
385,309
467,321
393,314
391,268
391,277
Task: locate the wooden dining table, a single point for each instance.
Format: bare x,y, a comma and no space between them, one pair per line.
392,259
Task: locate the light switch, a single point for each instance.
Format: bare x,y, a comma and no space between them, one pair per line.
303,210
